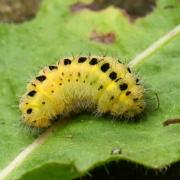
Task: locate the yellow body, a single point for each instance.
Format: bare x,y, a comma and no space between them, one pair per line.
82,83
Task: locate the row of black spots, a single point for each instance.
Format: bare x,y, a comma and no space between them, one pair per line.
105,67
80,60
93,60
112,75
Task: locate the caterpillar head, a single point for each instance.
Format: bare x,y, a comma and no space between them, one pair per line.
131,101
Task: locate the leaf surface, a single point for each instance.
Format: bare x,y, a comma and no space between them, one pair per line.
83,142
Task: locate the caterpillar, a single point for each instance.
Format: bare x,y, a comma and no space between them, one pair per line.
74,84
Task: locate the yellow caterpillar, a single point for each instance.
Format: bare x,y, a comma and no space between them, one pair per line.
82,83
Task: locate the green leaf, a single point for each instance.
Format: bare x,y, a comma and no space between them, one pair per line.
74,146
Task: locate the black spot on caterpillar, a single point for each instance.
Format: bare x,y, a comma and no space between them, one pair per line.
123,86
113,75
32,93
67,61
82,59
41,78
93,61
53,67
128,92
29,111
74,83
105,67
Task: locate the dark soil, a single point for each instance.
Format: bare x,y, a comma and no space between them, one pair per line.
132,8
